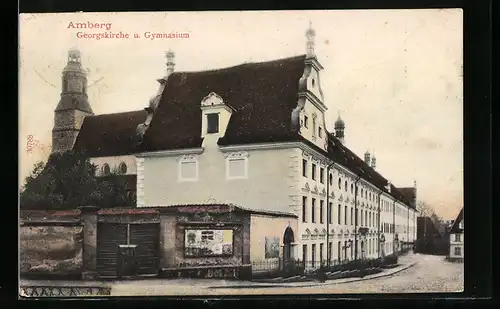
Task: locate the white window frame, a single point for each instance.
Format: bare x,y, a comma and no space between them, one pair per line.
187,159
233,156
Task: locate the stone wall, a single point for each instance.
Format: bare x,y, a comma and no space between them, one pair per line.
52,250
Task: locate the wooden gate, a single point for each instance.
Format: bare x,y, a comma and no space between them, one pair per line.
111,235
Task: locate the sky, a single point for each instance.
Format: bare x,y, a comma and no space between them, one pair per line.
394,76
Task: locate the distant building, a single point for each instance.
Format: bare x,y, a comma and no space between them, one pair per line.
457,238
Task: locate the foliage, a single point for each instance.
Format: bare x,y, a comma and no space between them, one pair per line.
68,181
426,210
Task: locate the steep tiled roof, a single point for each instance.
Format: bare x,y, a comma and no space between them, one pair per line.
345,157
262,94
79,102
109,134
455,227
407,192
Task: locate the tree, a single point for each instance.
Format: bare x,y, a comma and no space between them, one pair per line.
425,209
68,181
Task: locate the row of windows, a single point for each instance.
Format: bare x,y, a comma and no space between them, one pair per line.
236,168
365,217
106,170
363,193
345,251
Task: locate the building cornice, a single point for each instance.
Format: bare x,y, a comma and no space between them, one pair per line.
314,99
169,153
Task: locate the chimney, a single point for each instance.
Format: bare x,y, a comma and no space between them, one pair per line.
367,157
170,62
388,187
374,162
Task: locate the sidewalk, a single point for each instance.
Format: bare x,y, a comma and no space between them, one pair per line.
406,262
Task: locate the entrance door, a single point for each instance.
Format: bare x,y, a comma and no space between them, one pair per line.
146,237
146,252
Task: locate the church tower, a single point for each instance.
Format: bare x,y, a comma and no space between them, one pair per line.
73,106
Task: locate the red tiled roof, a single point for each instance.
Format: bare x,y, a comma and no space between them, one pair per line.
262,94
109,134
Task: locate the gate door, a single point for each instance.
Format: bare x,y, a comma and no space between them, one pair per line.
147,238
109,237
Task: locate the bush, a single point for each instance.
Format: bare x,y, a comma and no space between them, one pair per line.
391,259
292,269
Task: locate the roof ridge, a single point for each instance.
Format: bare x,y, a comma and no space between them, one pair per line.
238,65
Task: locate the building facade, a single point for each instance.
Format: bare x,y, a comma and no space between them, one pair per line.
255,135
457,238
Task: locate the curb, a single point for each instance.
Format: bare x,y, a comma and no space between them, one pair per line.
376,276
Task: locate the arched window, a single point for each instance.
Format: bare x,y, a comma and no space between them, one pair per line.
105,169
340,183
352,188
122,168
345,184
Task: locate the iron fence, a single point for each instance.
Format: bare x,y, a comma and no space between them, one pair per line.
280,264
63,291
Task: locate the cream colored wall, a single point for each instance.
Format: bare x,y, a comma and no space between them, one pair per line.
262,226
309,110
454,244
268,186
114,162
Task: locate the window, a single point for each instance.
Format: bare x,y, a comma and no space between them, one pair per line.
322,175
361,192
339,214
330,253
304,209
313,255
340,183
321,211
313,171
331,179
105,169
370,219
345,215
320,132
339,250
65,85
314,126
304,253
122,168
237,168
361,218
330,214
321,253
345,185
457,237
313,210
212,123
458,251
188,170
352,188
304,167
306,121
352,217
366,217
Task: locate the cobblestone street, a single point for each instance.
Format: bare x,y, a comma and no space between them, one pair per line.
429,274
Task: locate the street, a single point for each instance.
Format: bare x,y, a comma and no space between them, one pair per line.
430,274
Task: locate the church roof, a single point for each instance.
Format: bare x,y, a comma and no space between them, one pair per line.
74,102
262,94
109,134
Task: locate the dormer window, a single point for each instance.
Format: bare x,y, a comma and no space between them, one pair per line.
212,123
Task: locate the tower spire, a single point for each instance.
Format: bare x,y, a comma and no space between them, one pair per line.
310,35
339,129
